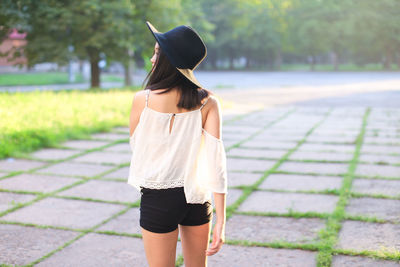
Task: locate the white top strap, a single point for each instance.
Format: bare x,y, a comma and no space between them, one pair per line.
147,96
204,103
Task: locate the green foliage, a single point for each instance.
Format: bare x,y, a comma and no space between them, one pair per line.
263,32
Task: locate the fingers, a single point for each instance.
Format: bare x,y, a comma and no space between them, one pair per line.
215,246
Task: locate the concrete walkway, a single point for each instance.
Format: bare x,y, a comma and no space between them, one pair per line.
298,167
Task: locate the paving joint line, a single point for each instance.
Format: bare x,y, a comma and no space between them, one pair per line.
329,234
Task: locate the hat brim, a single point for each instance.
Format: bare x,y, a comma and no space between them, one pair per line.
188,73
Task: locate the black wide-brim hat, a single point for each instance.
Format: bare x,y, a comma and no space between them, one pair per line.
184,48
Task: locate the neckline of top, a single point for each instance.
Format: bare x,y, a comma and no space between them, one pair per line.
171,113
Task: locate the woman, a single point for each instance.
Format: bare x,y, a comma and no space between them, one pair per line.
178,158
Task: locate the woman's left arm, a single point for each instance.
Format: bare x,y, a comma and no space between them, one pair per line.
219,227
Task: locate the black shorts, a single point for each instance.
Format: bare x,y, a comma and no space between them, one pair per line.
161,210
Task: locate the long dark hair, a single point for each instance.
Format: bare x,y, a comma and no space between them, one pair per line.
164,75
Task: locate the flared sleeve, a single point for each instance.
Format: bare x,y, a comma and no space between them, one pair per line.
215,178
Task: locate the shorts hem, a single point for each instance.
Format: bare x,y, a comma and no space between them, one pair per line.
157,231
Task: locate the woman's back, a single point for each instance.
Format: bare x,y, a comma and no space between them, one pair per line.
170,140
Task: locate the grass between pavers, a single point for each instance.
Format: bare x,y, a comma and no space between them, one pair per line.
329,235
383,254
360,195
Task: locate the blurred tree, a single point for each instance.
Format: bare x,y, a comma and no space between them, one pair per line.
375,29
310,29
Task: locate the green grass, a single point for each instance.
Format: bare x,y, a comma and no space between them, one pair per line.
45,118
46,78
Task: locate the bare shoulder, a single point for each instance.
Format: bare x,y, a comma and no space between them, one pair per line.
212,103
139,98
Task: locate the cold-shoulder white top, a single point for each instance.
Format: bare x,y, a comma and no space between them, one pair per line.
187,156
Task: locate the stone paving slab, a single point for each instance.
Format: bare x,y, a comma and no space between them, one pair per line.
314,168
359,236
104,157
256,153
240,178
84,144
100,250
36,182
267,144
283,202
120,148
121,173
232,196
375,186
229,143
64,212
371,170
237,256
235,128
54,153
378,159
248,165
321,156
327,147
331,139
300,182
285,130
335,132
278,137
124,223
110,136
356,261
273,229
9,200
13,164
384,133
20,245
75,169
380,149
120,129
382,140
388,209
234,136
104,190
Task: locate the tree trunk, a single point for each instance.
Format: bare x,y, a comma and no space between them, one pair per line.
247,63
230,62
278,59
398,61
311,60
335,63
95,73
94,59
388,59
128,69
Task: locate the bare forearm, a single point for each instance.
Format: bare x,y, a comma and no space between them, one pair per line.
220,207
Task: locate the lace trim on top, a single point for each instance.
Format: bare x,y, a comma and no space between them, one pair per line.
162,185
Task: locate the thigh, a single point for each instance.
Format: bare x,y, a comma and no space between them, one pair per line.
195,241
160,248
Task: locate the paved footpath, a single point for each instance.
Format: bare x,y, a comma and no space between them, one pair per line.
309,182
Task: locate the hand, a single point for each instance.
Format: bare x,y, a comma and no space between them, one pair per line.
217,240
